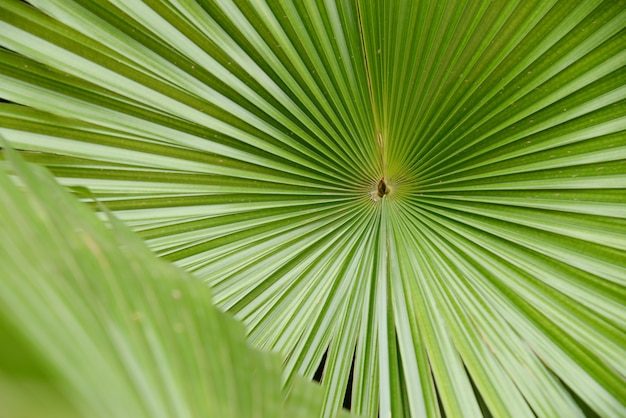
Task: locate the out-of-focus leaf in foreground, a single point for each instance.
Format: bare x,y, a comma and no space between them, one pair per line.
95,325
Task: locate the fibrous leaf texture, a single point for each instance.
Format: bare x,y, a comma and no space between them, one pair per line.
428,192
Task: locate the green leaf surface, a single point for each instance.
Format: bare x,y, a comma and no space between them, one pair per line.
96,325
427,195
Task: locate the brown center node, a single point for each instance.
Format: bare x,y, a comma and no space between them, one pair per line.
382,188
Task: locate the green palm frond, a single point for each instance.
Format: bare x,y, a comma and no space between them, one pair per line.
428,195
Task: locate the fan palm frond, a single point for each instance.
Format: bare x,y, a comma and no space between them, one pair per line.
428,195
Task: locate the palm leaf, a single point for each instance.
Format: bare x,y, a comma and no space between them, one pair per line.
246,142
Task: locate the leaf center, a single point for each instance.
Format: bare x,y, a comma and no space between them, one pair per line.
383,189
